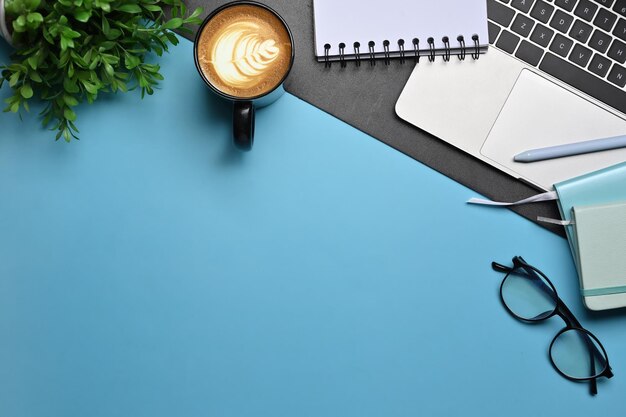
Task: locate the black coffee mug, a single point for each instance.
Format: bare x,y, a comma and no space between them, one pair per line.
244,108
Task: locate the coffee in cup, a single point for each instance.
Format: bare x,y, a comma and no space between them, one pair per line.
244,50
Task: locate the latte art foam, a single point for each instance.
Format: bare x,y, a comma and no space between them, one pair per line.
241,54
244,51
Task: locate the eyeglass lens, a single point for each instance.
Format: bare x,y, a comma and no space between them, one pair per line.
528,296
577,354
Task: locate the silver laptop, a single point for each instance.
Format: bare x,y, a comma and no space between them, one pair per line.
555,73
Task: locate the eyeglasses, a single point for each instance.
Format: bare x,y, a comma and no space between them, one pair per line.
529,296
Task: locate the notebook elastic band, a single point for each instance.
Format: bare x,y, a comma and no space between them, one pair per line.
547,196
603,291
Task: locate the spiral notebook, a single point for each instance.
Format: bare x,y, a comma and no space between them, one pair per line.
354,30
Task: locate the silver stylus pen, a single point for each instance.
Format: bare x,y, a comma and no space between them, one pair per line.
570,149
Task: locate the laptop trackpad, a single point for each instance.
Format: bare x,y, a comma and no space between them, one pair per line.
540,113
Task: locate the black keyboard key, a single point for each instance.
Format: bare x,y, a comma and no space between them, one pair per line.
605,20
586,10
620,29
599,65
618,51
561,45
499,13
529,53
581,31
566,4
507,41
542,35
580,55
522,25
600,41
561,21
542,11
494,30
620,7
605,3
618,75
584,81
522,5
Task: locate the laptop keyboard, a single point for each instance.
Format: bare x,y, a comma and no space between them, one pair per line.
580,42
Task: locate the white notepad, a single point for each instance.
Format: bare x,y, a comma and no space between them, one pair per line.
349,21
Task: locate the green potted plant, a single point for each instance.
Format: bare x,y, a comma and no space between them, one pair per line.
70,51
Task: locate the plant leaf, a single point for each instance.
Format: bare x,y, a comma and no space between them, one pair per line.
131,61
153,8
70,86
34,75
129,8
70,101
14,79
69,114
173,23
34,18
26,91
82,15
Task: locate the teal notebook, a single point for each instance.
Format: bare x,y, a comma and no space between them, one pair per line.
600,235
605,186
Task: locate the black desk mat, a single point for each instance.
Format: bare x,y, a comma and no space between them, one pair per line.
365,97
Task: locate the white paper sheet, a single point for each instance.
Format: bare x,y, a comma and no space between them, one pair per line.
350,21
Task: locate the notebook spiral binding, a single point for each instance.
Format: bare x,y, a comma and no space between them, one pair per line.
414,52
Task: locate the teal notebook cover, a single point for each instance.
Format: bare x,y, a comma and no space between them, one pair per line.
605,186
600,234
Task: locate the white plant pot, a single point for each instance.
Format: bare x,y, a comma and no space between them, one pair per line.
4,28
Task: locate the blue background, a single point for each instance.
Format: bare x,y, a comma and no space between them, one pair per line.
152,270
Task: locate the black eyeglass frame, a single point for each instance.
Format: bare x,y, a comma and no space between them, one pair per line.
561,310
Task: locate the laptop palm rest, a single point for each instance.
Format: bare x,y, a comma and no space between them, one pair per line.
540,113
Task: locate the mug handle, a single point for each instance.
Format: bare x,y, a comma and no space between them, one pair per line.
243,125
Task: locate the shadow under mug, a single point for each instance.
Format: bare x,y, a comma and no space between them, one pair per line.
244,108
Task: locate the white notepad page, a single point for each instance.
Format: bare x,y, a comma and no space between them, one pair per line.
350,21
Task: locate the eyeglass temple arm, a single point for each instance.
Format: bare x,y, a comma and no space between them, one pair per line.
569,316
570,320
501,268
593,385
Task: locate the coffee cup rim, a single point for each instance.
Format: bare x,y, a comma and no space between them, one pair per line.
209,17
